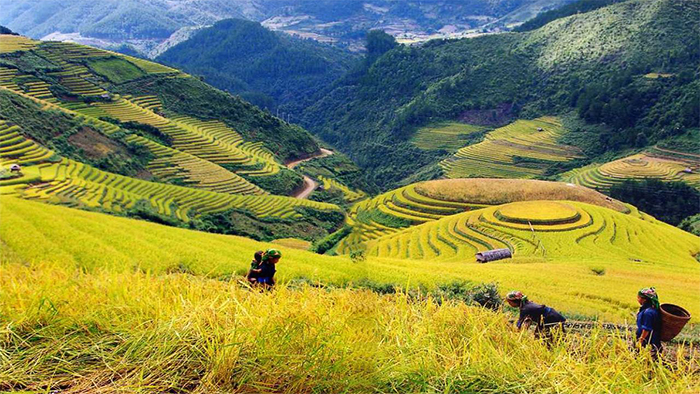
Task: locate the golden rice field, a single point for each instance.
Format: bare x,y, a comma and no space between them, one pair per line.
656,164
34,233
428,201
149,308
199,147
10,43
523,149
388,212
49,178
348,194
448,136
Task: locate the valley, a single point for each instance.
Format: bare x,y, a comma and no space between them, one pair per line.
412,177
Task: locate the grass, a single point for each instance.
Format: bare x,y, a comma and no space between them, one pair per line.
143,307
293,243
116,70
448,136
523,149
37,233
502,191
658,163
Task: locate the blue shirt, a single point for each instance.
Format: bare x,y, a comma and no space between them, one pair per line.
648,318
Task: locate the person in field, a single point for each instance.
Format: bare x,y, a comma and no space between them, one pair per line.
649,321
546,319
266,276
255,270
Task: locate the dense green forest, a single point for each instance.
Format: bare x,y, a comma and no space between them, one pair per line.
566,65
268,69
671,202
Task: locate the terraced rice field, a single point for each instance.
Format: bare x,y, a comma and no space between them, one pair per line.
404,205
10,43
446,136
518,150
77,184
657,164
47,235
16,149
550,230
81,87
349,194
209,140
199,148
171,164
426,202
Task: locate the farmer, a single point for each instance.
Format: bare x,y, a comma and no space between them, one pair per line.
649,321
255,270
267,268
544,317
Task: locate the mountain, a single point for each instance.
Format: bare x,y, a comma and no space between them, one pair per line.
147,25
98,130
266,68
629,70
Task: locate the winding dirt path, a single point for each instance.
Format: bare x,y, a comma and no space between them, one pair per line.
309,184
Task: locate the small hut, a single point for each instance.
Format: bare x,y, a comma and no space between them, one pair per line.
15,168
540,129
688,170
493,255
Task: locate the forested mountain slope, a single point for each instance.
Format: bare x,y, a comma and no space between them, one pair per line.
268,69
597,63
98,130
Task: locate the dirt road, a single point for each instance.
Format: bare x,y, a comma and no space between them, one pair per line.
309,184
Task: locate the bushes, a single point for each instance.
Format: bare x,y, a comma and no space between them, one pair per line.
667,201
485,294
314,224
283,183
328,242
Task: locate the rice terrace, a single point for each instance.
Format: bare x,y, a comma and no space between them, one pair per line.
308,197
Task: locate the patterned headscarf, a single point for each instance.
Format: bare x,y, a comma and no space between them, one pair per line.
271,254
649,293
516,296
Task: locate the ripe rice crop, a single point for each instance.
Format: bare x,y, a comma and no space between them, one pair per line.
657,164
109,331
144,307
171,164
11,43
74,183
518,150
445,136
34,234
349,194
428,201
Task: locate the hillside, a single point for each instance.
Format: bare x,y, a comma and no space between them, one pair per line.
271,70
32,233
98,130
571,64
152,308
425,202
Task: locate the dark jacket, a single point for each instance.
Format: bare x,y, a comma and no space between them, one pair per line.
541,315
268,270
